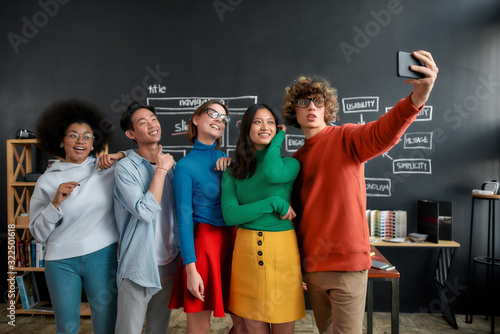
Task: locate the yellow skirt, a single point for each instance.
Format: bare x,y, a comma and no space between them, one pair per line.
266,279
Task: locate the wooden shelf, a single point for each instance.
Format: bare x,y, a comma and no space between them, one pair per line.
20,310
19,164
28,269
23,141
22,222
23,184
84,310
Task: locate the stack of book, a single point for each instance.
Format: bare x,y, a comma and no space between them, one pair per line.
387,223
30,253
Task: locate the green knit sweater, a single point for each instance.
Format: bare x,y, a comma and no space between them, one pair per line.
256,203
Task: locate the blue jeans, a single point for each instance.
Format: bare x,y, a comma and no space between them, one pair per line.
97,273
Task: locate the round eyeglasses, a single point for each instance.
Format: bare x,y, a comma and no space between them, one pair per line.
214,114
73,137
319,101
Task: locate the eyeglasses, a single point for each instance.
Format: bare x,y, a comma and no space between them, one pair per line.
319,101
73,137
214,114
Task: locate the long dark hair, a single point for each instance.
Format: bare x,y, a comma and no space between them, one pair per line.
245,163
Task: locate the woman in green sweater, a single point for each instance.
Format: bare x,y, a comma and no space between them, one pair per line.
266,280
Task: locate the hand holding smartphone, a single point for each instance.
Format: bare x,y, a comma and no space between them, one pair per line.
405,59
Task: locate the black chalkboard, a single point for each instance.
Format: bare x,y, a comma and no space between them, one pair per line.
175,54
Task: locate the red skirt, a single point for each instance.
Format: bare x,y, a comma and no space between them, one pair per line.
214,251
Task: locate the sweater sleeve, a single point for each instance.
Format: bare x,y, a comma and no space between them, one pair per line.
276,168
364,142
130,193
236,213
44,217
183,190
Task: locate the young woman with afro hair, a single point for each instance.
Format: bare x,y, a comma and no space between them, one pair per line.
71,211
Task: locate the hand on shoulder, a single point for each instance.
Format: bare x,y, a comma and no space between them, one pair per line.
223,163
106,160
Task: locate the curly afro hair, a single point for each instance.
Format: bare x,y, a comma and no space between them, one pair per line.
306,86
52,124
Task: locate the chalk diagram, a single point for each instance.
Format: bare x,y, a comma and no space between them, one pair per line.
381,187
174,113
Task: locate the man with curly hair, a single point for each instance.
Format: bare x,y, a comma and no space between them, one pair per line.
329,195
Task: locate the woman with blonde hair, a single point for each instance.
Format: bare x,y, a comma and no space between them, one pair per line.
202,281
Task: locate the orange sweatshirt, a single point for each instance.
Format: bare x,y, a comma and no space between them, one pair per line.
329,194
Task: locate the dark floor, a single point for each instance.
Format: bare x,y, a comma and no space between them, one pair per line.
409,323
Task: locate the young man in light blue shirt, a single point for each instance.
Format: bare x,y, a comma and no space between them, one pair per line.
145,215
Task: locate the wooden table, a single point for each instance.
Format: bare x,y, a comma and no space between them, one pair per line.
383,275
446,252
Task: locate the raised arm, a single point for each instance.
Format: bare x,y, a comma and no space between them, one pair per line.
276,168
423,86
138,201
107,160
367,141
164,163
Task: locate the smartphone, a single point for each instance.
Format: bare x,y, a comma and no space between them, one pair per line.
405,59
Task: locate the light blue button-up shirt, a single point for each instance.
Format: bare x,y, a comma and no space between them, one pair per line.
136,212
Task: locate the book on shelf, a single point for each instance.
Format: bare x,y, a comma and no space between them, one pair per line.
18,254
40,254
33,253
28,290
30,253
27,247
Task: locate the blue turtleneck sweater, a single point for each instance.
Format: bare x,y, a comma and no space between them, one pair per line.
197,194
